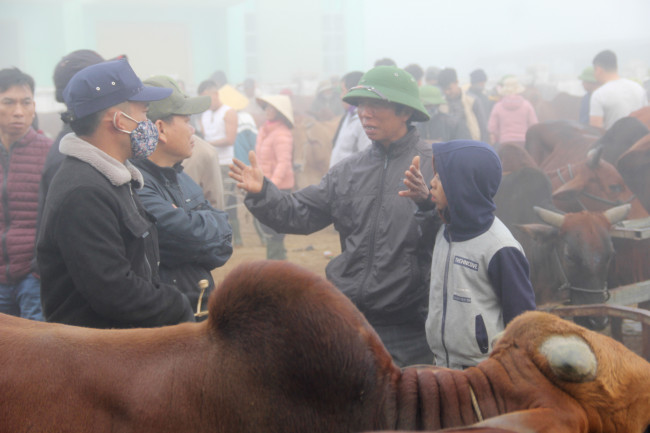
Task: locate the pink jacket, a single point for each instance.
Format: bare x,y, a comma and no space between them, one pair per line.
274,151
510,119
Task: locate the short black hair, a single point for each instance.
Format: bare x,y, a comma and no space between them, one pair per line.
385,62
477,76
607,60
11,77
415,70
206,85
351,79
84,126
446,77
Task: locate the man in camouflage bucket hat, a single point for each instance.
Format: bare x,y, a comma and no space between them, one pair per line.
386,239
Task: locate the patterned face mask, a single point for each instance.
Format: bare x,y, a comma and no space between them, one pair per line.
144,137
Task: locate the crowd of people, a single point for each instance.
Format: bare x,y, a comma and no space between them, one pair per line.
120,220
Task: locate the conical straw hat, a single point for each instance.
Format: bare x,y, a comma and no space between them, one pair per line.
232,97
282,103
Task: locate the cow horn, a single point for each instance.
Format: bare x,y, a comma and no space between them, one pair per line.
618,213
554,219
570,358
593,157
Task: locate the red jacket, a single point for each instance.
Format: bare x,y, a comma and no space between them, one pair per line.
21,169
274,151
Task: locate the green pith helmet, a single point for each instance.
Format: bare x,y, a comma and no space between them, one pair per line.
588,75
431,95
389,83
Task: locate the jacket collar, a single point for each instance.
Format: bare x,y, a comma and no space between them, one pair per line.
400,146
162,173
117,173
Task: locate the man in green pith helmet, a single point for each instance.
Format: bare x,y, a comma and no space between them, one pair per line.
386,238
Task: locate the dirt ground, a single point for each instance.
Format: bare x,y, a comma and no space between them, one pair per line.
311,251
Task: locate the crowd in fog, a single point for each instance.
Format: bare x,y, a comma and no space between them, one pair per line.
120,219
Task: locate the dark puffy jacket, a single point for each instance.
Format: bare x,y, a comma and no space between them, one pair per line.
21,170
193,237
385,261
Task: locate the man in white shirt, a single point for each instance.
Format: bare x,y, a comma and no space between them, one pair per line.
219,127
350,137
616,97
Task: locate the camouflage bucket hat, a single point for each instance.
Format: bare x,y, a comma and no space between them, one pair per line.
389,83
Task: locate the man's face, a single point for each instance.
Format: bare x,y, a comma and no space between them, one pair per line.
380,121
437,191
17,109
176,138
452,91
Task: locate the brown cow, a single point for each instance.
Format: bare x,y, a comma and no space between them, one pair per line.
312,147
554,144
634,166
281,351
284,351
544,375
592,184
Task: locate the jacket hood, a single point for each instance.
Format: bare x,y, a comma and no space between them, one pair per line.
512,102
470,173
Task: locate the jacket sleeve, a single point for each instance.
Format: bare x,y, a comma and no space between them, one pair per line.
302,212
283,148
92,245
200,235
510,277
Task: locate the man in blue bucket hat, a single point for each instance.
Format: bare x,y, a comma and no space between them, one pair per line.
386,248
98,248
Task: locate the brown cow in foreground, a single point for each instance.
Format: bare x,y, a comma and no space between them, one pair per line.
284,351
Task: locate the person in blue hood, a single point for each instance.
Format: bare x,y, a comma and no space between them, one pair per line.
479,273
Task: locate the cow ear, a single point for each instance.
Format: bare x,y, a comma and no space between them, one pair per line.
538,232
570,358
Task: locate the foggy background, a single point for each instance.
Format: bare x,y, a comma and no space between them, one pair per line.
297,43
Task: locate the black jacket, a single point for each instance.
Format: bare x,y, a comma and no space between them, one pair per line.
385,261
193,237
98,251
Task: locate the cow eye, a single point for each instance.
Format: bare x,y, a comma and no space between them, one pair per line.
616,188
647,429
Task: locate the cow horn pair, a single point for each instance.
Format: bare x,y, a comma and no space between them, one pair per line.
570,358
556,219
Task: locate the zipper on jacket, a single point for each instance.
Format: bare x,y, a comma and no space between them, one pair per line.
146,259
373,232
444,302
6,212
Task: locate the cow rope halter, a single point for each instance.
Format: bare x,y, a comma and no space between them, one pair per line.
566,285
589,195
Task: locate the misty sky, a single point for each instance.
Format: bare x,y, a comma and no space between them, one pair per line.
461,32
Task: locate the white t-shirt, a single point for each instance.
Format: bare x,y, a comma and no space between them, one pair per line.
617,99
351,139
214,128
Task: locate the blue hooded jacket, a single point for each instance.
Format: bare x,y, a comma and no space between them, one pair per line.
470,174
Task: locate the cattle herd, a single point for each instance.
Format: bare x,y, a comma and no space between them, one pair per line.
583,174
284,351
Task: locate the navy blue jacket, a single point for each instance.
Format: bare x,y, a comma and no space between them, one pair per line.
193,237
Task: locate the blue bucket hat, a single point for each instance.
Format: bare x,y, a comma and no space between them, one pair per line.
105,85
